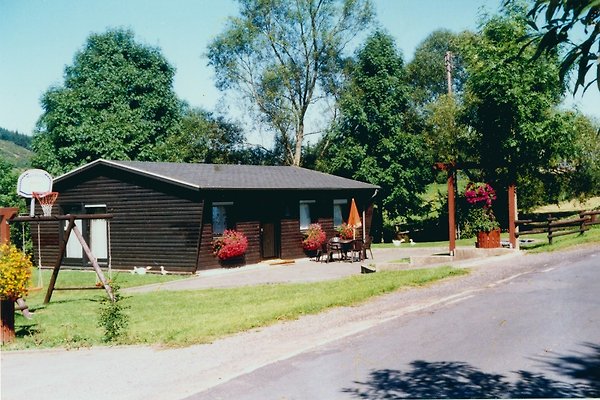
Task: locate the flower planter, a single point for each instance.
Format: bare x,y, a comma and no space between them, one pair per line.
233,262
488,240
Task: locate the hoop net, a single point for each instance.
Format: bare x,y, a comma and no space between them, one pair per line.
46,200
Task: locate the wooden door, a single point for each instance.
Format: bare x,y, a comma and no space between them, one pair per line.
268,240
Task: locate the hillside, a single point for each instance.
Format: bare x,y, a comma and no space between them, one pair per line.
14,155
17,138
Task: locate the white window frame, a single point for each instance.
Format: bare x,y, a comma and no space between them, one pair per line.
98,231
223,206
305,216
338,217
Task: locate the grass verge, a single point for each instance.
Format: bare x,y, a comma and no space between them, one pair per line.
182,318
541,244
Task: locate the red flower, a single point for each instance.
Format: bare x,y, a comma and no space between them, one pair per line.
480,193
231,244
314,237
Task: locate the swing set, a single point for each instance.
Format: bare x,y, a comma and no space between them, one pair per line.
37,185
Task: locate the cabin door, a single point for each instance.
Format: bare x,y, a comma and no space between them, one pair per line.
269,240
95,233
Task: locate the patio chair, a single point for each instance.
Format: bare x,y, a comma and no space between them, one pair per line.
367,246
334,246
357,250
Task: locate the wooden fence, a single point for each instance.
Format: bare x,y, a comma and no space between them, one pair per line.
555,227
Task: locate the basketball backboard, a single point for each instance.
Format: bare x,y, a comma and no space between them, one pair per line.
34,180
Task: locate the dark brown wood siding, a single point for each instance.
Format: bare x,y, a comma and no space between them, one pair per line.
157,223
154,224
291,239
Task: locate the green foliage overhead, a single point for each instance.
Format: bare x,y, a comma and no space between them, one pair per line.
375,140
573,26
278,53
116,102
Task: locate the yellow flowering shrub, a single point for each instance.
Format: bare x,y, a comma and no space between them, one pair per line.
15,272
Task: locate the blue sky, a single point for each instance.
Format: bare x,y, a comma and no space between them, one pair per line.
38,38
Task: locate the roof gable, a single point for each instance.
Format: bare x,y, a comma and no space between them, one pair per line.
231,177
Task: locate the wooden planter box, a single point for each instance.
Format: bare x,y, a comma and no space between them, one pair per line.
488,240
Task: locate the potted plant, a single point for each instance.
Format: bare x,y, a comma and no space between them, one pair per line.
15,272
345,231
480,218
314,237
232,245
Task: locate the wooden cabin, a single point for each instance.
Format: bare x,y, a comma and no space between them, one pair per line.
167,214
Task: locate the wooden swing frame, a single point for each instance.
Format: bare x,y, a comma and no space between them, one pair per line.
71,227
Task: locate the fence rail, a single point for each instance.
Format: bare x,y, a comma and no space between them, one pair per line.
555,227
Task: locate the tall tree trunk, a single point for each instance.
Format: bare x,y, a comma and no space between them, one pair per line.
299,140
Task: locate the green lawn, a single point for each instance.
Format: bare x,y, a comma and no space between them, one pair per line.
181,318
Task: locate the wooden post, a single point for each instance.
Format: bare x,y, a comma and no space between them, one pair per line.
451,212
7,320
94,262
61,254
512,216
5,215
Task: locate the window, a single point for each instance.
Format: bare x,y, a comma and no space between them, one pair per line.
98,231
339,206
305,213
219,217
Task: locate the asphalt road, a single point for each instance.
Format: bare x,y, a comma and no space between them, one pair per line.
533,334
516,323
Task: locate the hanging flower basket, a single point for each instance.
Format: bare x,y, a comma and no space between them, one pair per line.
314,237
345,231
232,245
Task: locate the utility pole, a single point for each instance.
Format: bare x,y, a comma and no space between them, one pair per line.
451,172
448,60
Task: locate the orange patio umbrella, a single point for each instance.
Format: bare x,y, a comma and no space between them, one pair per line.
354,218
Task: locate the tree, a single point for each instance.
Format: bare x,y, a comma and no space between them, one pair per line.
427,70
375,140
278,54
445,136
572,25
206,138
510,102
203,138
117,102
574,172
9,198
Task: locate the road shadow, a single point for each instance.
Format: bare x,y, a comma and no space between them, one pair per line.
459,380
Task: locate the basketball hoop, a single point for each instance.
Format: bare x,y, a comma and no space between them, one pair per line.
46,200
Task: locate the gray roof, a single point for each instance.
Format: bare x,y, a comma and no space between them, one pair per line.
232,177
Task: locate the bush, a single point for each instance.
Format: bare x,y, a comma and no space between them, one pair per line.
112,316
15,272
232,244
